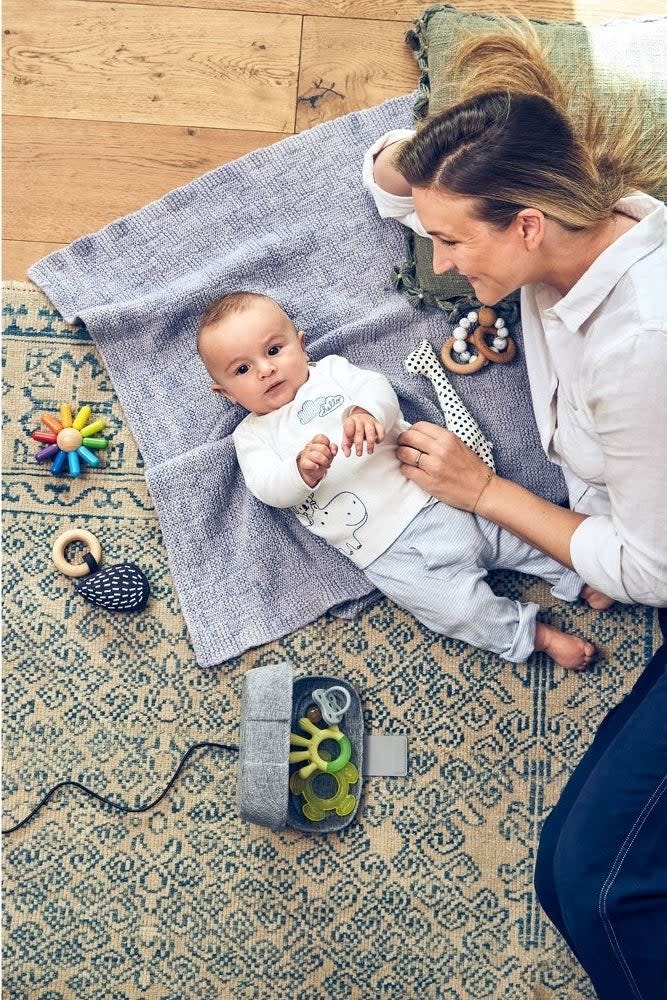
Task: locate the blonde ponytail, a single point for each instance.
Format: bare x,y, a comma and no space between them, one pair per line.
517,137
512,59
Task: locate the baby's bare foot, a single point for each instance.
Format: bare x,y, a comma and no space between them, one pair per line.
595,598
569,651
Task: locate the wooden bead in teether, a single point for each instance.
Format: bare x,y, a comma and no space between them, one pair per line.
487,316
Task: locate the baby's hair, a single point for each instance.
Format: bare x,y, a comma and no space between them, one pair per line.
512,141
232,302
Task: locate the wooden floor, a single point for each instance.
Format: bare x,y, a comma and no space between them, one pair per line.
108,105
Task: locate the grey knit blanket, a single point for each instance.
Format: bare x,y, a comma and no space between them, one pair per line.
293,221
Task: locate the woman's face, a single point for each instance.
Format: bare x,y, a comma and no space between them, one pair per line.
495,261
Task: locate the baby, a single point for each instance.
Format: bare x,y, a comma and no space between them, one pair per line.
321,439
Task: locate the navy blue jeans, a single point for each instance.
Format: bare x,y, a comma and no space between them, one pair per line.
601,871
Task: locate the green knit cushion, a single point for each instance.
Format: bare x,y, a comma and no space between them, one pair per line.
611,57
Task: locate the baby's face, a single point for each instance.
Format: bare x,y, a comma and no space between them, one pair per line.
256,357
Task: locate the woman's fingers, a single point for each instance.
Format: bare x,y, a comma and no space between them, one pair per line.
423,432
424,438
446,468
409,456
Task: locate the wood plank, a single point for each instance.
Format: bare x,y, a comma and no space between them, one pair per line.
64,178
379,10
129,62
588,11
361,62
19,255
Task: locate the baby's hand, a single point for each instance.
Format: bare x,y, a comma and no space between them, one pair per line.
315,459
360,426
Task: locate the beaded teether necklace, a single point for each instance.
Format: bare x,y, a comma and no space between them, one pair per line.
484,330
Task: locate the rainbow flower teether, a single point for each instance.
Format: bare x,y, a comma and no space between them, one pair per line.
70,440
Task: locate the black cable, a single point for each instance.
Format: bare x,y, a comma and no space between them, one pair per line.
119,805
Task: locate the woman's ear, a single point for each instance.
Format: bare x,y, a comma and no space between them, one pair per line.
530,223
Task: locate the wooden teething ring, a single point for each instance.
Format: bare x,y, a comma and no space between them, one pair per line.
61,543
446,356
483,349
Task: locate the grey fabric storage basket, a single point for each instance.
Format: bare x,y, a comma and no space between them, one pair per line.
271,705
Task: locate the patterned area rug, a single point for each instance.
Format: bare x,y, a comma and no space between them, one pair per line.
426,894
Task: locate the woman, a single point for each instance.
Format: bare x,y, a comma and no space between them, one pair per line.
514,195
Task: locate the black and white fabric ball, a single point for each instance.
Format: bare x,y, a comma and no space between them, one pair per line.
123,587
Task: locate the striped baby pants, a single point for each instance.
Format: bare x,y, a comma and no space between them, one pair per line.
436,569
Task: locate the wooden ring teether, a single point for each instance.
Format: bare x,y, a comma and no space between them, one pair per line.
446,356
61,543
483,349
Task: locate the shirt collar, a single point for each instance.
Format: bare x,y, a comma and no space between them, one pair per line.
606,271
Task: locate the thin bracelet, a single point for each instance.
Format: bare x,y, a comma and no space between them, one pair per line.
479,495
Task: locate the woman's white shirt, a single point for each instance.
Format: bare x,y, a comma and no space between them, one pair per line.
597,367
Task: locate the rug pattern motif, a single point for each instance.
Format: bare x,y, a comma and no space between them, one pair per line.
427,894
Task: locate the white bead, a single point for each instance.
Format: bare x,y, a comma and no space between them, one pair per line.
464,357
472,316
460,346
466,323
471,359
500,323
460,333
500,343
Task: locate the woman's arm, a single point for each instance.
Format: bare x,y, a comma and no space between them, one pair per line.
450,471
390,192
622,554
385,173
625,553
542,524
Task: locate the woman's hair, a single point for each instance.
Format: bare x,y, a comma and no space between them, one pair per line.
511,142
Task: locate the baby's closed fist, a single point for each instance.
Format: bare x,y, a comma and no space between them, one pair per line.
315,459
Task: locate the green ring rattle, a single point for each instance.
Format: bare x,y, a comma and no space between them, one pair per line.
311,749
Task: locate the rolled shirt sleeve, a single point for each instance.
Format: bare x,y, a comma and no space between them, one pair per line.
390,206
601,557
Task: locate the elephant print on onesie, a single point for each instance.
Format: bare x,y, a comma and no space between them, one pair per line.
344,510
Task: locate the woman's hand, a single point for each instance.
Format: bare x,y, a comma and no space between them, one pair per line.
442,464
445,467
